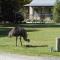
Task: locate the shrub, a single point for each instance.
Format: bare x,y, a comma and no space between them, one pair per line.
56,13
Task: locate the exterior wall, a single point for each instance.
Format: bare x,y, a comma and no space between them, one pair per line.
30,13
40,13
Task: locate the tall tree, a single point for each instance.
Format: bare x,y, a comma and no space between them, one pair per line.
9,7
56,12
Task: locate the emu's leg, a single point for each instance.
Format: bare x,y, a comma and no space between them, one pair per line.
16,40
20,41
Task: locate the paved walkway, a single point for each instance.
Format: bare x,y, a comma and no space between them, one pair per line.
22,57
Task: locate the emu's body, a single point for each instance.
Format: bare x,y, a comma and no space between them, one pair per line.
19,31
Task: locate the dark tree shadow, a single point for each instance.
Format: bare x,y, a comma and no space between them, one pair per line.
32,30
4,32
34,46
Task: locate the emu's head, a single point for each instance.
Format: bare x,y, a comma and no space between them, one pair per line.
11,32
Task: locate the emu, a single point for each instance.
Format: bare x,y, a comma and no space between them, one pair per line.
18,32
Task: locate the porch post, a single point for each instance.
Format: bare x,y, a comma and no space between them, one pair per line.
42,12
31,13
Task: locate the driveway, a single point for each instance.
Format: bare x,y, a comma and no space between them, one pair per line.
22,57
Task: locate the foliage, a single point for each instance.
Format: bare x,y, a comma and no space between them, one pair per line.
10,7
23,2
56,12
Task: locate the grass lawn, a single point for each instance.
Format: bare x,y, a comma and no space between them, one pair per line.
42,39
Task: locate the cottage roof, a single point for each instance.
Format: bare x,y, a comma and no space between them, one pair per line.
41,3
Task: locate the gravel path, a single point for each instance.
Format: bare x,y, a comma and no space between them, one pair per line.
22,57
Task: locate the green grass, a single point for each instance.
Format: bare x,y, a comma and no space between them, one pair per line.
41,40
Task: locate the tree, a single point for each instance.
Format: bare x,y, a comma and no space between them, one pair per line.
10,7
56,12
23,2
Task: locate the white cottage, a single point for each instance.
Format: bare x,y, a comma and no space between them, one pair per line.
40,9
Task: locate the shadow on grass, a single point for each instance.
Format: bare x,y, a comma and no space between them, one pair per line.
33,25
38,25
4,31
32,30
34,46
